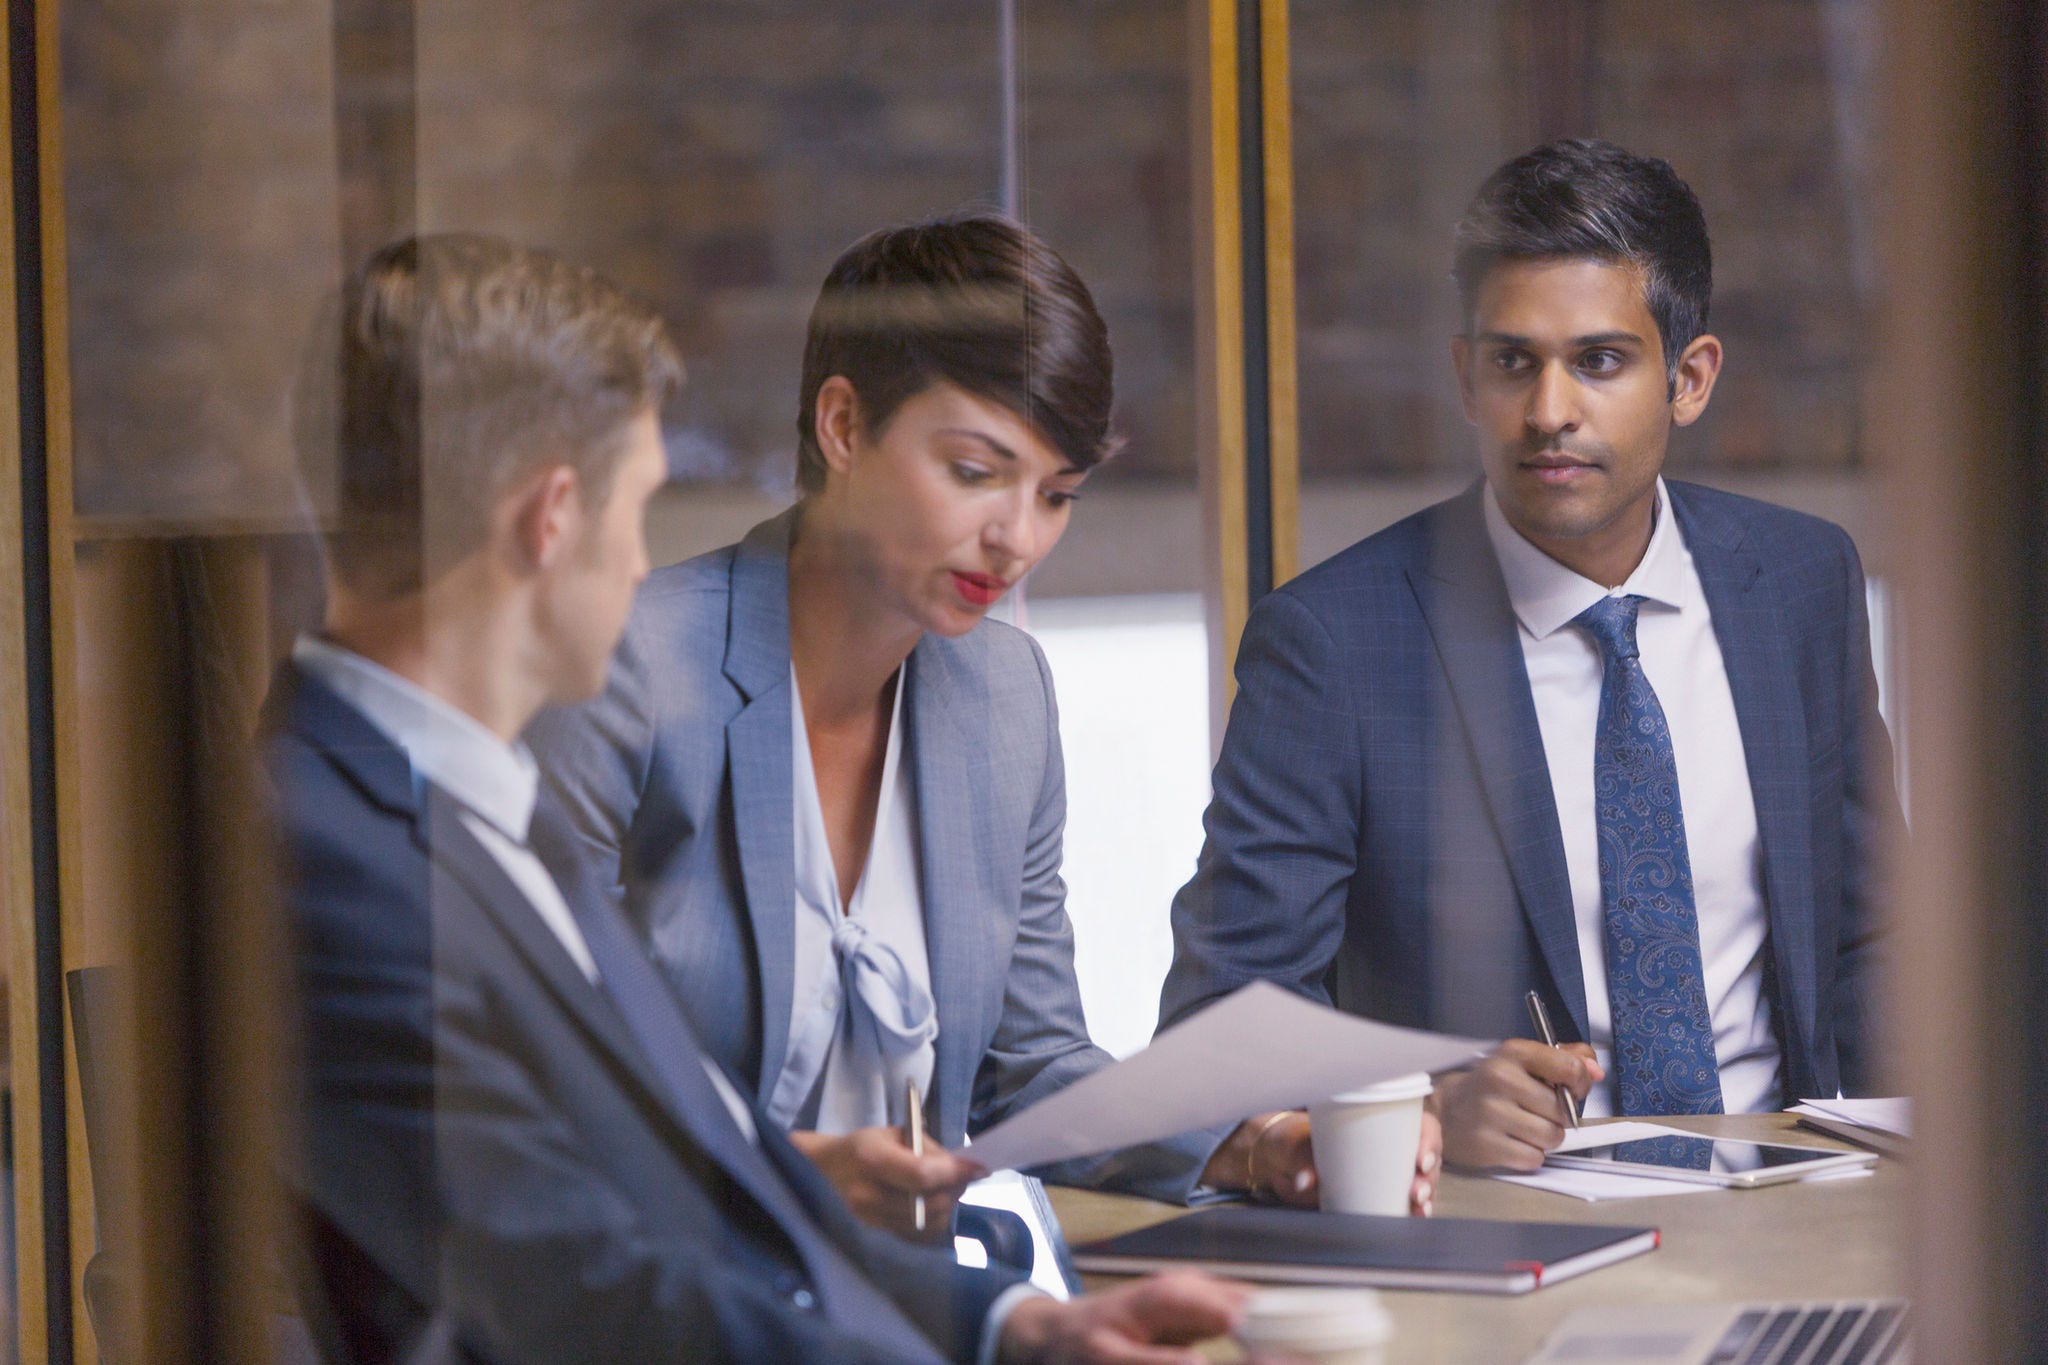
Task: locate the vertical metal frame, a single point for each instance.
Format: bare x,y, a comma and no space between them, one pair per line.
1960,426
39,785
1244,252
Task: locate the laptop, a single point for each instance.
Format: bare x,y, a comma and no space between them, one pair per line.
1838,1332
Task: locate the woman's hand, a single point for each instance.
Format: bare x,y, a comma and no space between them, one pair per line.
1268,1157
1273,1153
1429,1164
875,1173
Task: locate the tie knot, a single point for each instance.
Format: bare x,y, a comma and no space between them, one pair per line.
1612,623
849,937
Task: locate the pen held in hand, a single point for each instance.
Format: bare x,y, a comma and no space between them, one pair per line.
1541,1018
916,1122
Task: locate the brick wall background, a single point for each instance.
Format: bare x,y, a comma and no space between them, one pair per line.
1402,107
716,154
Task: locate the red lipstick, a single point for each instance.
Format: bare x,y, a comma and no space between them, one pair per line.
978,589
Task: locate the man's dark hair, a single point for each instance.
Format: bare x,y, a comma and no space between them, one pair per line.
448,368
975,300
1581,197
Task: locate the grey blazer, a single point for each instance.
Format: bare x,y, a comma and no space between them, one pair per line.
673,788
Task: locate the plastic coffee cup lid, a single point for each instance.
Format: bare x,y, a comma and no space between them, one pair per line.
1412,1087
1314,1319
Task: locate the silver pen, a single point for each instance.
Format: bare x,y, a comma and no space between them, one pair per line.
1541,1017
916,1143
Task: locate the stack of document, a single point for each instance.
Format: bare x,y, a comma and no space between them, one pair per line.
1595,1185
1880,1125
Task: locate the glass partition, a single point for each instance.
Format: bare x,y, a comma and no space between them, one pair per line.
222,171
220,168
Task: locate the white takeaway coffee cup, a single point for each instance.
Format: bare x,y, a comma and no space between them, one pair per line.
1365,1142
1323,1326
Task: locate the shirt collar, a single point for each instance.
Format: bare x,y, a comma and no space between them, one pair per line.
1547,596
496,780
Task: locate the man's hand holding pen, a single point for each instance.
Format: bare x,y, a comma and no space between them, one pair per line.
1504,1113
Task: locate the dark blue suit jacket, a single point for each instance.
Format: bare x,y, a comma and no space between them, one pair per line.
483,1135
1383,830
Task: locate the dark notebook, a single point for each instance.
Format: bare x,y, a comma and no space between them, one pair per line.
1471,1254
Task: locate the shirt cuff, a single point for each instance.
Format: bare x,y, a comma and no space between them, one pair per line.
998,1314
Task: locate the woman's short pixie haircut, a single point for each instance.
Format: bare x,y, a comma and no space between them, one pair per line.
1584,198
975,300
448,368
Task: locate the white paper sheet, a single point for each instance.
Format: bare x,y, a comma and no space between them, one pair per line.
1595,1186
1258,1049
1886,1116
1607,1134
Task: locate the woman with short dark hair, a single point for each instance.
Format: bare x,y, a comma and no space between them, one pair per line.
828,789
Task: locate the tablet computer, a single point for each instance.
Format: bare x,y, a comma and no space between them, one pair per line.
1711,1161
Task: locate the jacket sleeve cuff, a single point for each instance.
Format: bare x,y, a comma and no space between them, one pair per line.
998,1314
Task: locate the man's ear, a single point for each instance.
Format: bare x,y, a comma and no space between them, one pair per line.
1461,356
1693,382
836,422
545,515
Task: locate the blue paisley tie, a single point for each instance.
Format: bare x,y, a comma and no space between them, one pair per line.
1656,985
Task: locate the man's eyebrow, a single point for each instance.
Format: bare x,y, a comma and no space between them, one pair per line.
999,448
1576,343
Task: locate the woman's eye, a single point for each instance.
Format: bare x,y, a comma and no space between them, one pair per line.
1056,498
971,473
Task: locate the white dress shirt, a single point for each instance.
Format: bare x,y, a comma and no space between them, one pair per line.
862,1022
495,782
1682,659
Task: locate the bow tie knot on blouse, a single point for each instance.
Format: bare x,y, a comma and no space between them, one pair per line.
863,1023
882,995
869,1030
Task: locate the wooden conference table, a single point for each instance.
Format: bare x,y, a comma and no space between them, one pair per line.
1807,1240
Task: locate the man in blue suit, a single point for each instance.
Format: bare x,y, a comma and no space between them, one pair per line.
1580,730
513,1149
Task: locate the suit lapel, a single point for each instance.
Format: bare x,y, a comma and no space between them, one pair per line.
672,1076
380,768
1763,680
952,779
758,765
1465,602
300,702
456,852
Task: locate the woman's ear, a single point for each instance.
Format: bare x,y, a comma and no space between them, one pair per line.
836,422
